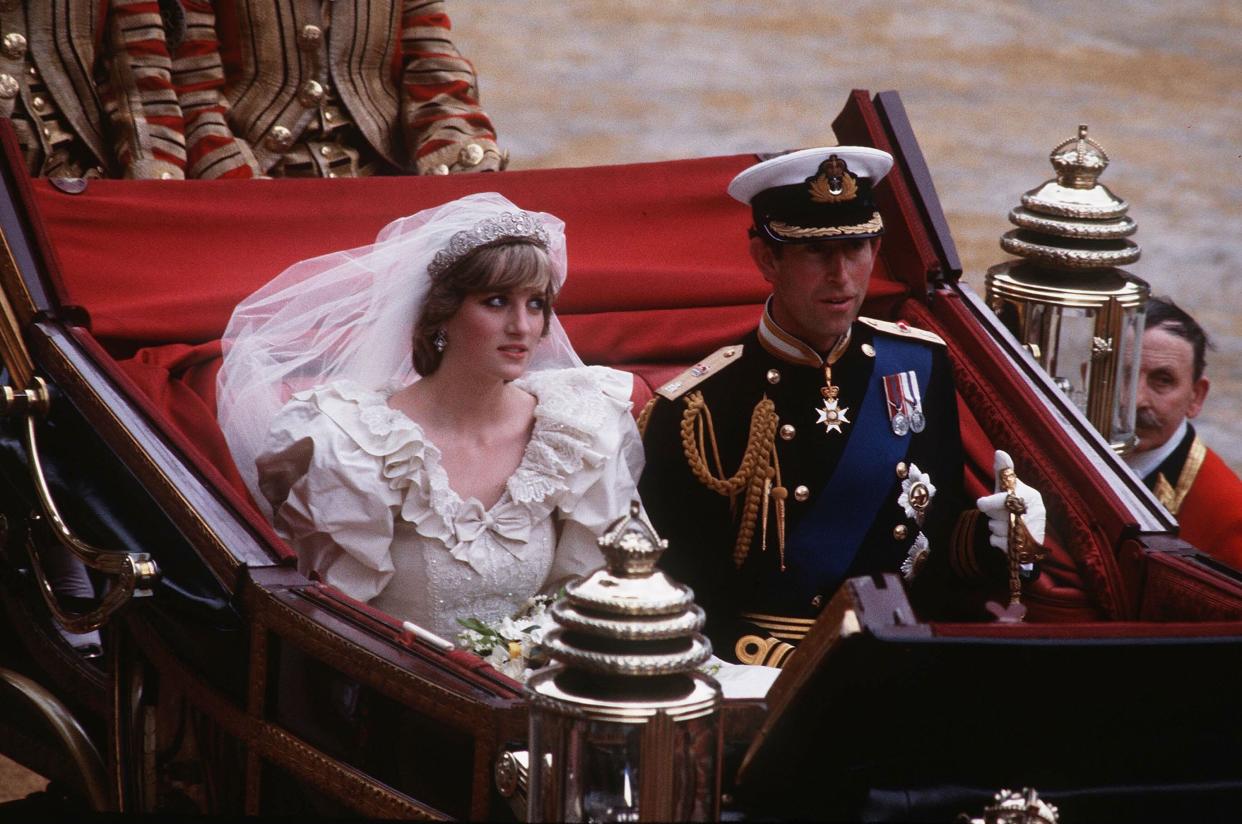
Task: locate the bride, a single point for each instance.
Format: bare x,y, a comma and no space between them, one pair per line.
413,420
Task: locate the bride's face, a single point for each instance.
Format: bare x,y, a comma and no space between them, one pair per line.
494,334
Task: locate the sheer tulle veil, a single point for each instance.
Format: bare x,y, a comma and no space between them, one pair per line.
350,315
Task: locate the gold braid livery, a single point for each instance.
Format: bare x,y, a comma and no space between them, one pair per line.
697,431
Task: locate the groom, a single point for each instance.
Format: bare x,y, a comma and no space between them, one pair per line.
823,445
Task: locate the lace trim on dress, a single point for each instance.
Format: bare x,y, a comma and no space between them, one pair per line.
570,413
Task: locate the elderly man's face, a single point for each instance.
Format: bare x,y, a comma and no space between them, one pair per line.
1167,390
817,288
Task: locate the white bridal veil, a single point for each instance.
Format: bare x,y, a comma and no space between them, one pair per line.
350,315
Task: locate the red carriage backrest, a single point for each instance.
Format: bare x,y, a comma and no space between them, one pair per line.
659,269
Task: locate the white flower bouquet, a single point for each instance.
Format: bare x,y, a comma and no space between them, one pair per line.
513,645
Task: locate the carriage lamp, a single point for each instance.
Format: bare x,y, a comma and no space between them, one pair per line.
623,726
1065,297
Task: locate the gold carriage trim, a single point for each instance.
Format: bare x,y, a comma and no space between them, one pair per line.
875,224
780,626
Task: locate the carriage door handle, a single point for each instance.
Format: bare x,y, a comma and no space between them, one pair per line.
133,573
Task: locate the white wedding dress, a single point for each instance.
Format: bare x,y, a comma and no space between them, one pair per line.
359,492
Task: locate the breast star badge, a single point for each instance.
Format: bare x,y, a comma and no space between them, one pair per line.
831,415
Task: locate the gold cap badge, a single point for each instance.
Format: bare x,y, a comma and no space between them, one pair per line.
834,183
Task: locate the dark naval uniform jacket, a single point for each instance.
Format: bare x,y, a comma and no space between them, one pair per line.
769,502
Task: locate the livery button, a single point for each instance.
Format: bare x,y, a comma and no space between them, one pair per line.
38,103
311,93
326,151
817,601
9,86
14,46
801,493
868,350
774,376
788,432
279,138
471,155
32,71
728,353
310,36
902,470
328,116
899,532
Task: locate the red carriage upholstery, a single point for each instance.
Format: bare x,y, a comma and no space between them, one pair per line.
659,275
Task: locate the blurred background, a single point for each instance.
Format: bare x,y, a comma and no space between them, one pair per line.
990,88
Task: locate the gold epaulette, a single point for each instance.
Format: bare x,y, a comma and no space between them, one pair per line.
902,329
701,371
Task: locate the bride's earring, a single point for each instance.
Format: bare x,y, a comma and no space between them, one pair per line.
440,341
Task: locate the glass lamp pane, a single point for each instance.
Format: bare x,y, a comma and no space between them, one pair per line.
1070,357
1128,360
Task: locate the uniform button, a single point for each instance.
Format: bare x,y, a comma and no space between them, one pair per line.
817,601
32,71
868,350
788,431
471,155
326,151
9,87
166,175
14,46
730,352
311,93
331,174
442,169
801,493
899,532
328,116
38,103
279,138
902,470
310,36
774,376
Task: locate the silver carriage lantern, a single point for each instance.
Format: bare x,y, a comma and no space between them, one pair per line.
623,727
1065,299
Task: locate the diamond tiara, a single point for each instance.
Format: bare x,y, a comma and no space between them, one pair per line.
500,227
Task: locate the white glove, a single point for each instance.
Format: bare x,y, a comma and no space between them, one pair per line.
998,516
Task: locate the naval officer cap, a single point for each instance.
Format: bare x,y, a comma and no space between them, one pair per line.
815,194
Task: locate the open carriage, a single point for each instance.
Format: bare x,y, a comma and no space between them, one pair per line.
230,682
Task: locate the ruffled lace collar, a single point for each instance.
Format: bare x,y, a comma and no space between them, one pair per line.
569,410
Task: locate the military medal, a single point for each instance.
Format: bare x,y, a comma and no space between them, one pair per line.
831,414
905,406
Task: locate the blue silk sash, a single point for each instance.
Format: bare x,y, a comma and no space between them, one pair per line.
828,538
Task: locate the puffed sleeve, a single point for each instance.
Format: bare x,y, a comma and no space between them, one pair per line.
329,499
602,490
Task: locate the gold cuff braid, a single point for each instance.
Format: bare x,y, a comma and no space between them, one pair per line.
768,652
